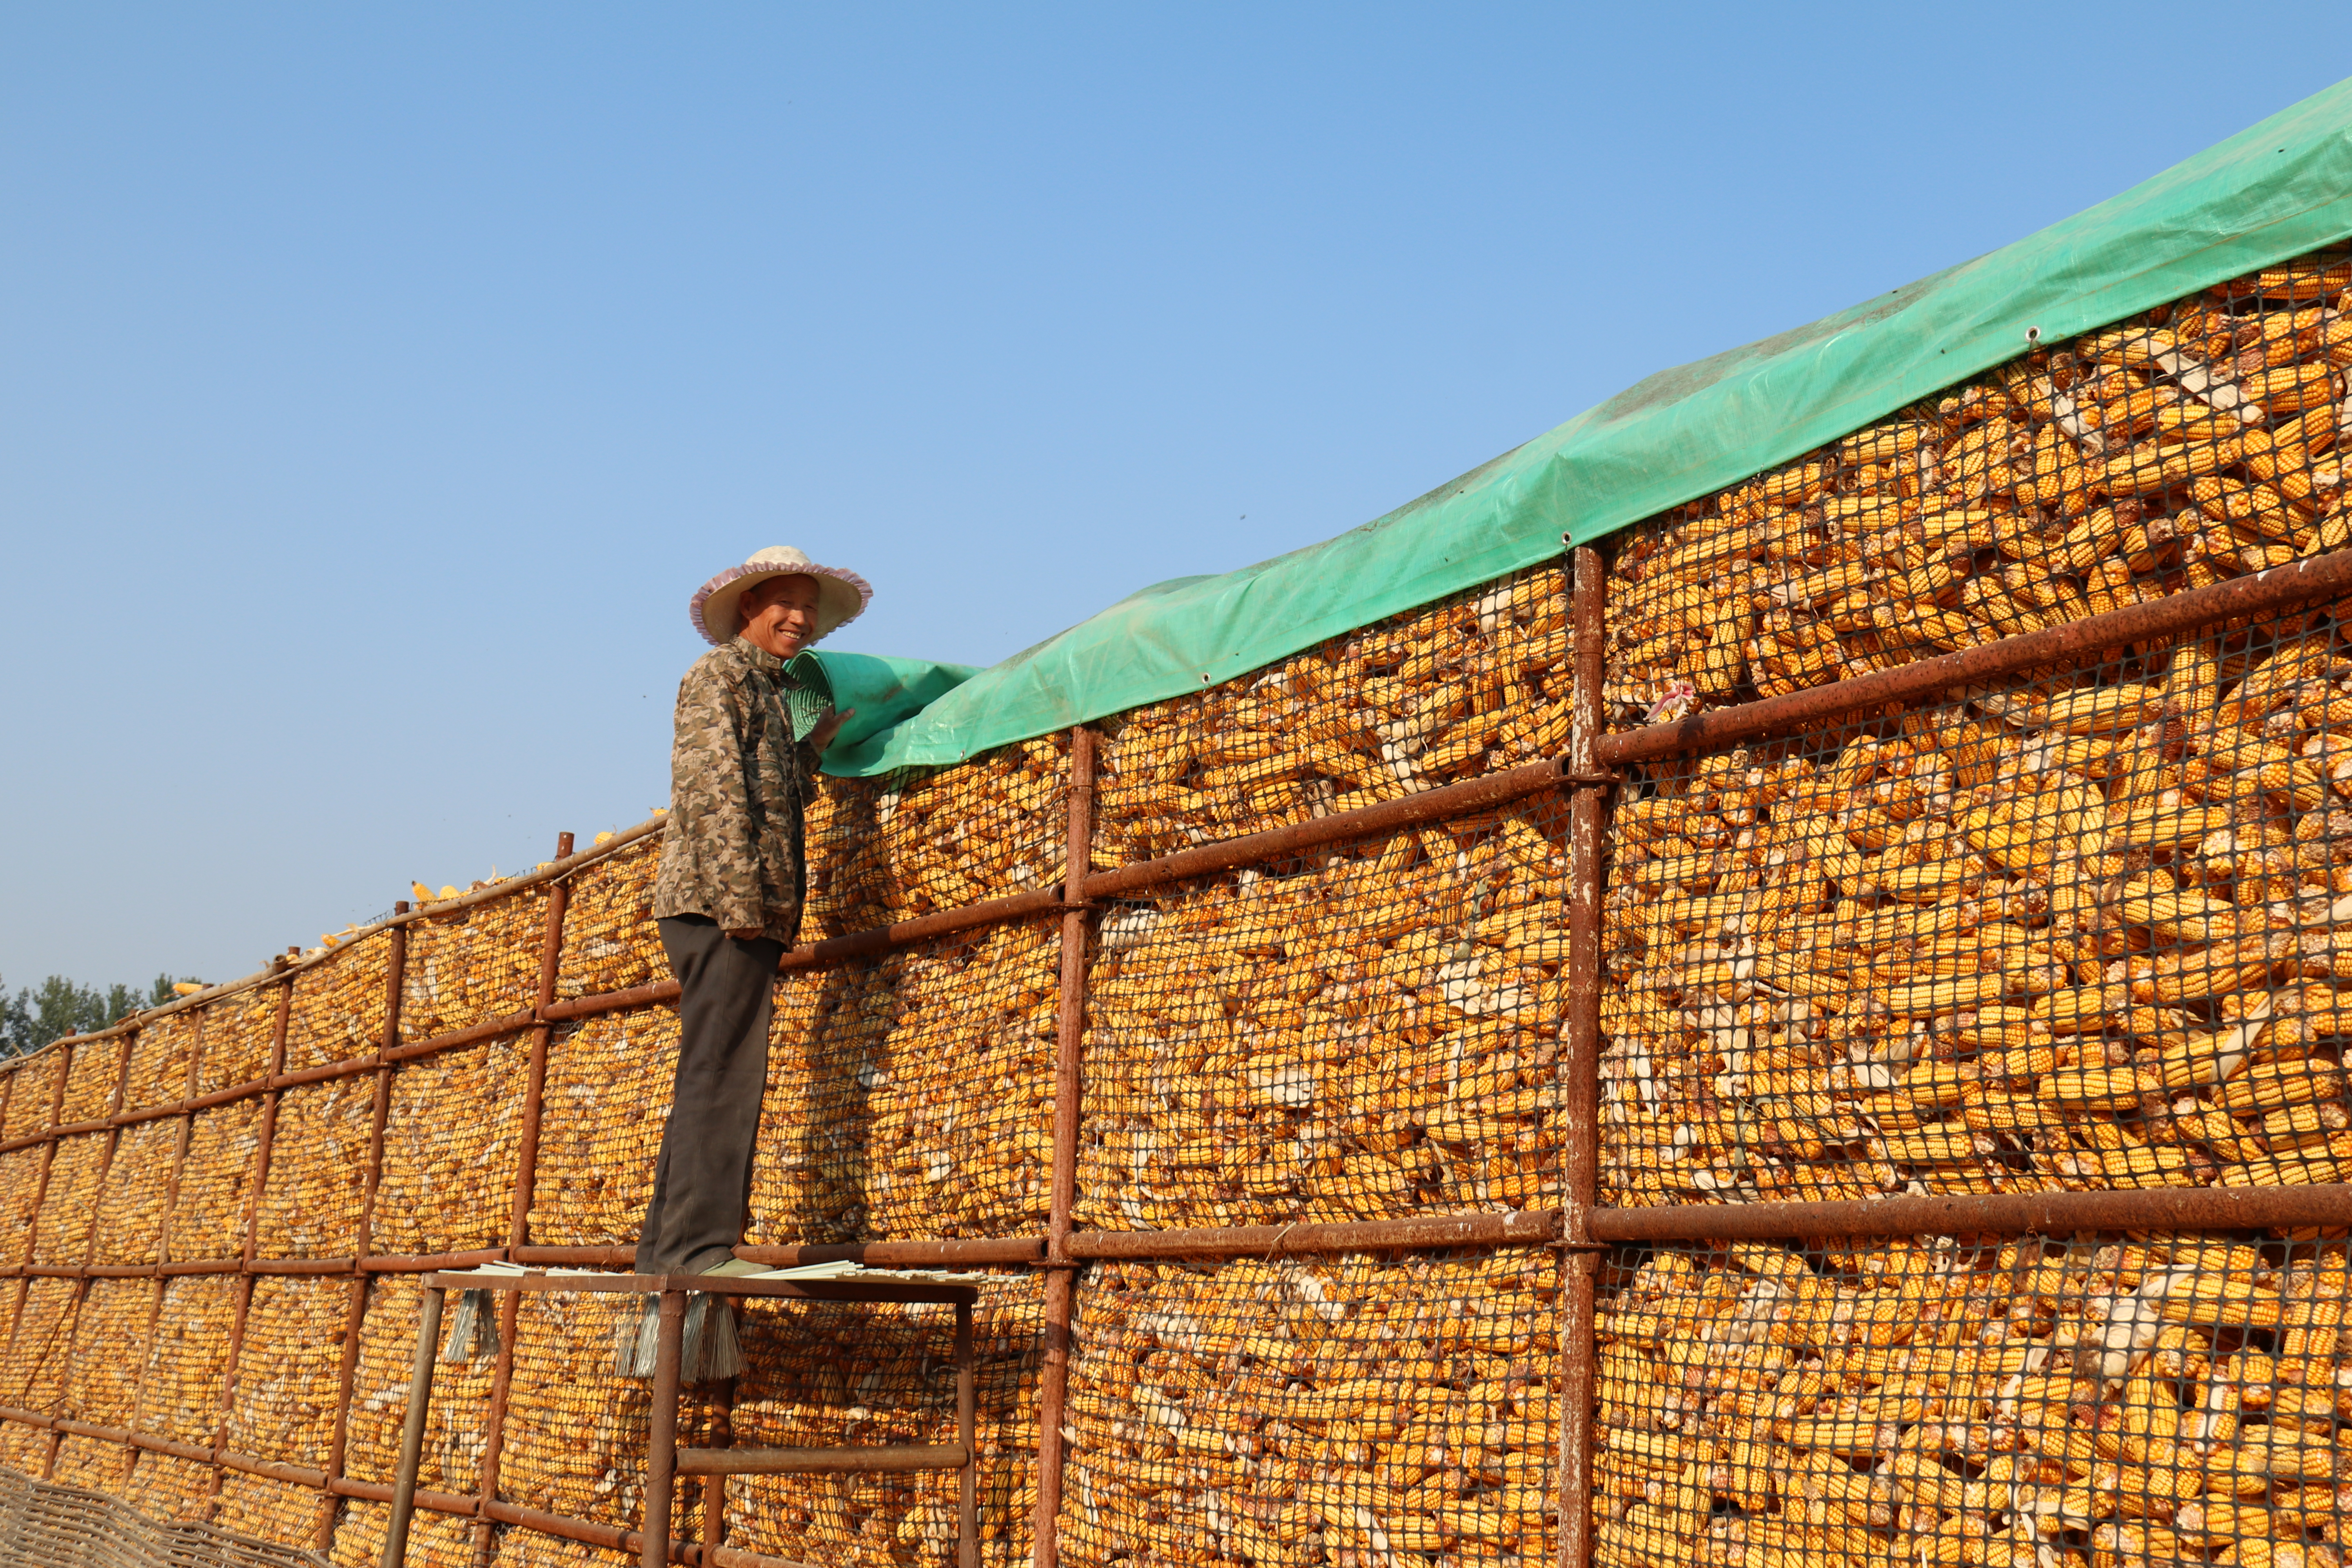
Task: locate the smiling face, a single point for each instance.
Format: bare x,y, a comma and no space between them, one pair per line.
779,614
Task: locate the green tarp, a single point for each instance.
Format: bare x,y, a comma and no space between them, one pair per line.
2274,192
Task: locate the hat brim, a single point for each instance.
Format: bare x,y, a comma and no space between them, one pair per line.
842,596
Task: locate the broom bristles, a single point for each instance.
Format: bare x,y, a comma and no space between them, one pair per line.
473,1329
709,1349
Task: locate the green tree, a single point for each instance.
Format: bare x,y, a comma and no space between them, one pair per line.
34,1016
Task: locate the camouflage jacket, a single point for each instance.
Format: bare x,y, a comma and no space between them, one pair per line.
732,848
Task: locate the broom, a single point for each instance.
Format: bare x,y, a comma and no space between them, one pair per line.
709,1351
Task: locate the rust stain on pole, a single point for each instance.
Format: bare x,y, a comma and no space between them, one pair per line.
1069,1039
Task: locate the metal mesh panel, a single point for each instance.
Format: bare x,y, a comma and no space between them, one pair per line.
111,1334
2191,443
92,1462
208,1213
607,1096
454,1420
822,1375
166,1487
435,1540
1438,694
129,1227
1343,1410
991,825
180,1391
528,1549
913,1096
161,1055
2171,1398
2074,930
20,1186
90,1079
1362,1033
268,1510
32,1088
468,967
610,940
23,1448
847,883
238,1032
338,1010
289,1369
451,1140
61,1230
318,1170
33,1376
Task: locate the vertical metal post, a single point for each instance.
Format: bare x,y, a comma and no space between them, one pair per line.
412,1431
661,1452
968,1434
355,1314
494,1423
714,1486
1069,1042
244,1307
1580,1068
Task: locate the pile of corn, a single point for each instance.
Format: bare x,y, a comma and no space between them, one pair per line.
138,1189
269,1510
101,1466
33,1369
1295,1412
216,1182
239,1032
33,1090
478,964
109,1350
610,940
25,1449
848,889
450,1143
826,1375
2188,444
318,1170
20,1188
61,1231
338,1008
162,1054
1438,694
607,1096
93,1072
180,1391
528,1549
2050,1402
990,827
454,1417
164,1486
1368,1037
2070,933
575,1434
435,1541
288,1370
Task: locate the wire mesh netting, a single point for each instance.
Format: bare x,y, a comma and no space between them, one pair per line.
2190,443
289,1369
188,1360
92,1073
239,1032
61,1231
215,1182
912,1096
1364,1031
609,1083
435,1541
2073,931
1446,692
528,1548
339,1004
94,1463
311,1194
268,1510
452,1135
20,1191
25,1449
112,1333
32,1093
986,827
610,940
847,886
40,1348
824,1374
454,1418
166,1487
1341,1410
163,1055
2099,1399
473,965
138,1190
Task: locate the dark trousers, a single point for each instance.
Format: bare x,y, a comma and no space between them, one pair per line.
702,1187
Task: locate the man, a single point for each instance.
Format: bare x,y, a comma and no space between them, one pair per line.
730,892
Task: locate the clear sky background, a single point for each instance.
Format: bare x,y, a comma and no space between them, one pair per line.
377,382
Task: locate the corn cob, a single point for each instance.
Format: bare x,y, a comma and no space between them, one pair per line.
91,1075
236,1037
266,1509
162,1053
94,1463
288,1371
34,1087
180,1389
215,1180
338,1008
610,940
110,1348
318,1169
61,1231
445,1541
473,965
166,1487
454,1415
129,1224
447,1182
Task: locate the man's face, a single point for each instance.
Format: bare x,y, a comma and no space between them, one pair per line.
779,614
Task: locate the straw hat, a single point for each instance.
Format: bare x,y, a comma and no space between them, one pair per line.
841,596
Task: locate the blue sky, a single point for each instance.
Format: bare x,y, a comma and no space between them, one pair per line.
376,382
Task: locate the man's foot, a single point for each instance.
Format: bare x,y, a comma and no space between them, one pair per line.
737,1267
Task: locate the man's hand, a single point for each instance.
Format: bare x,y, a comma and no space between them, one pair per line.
828,727
744,933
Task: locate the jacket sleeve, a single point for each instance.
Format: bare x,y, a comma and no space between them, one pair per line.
707,795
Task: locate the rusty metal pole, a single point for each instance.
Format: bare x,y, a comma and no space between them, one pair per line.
494,1424
1580,1065
714,1485
968,1434
244,1287
1069,1041
355,1314
661,1449
412,1430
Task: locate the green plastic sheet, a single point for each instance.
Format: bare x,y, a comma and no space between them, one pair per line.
2269,194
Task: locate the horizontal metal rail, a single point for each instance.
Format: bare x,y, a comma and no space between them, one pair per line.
872,1458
